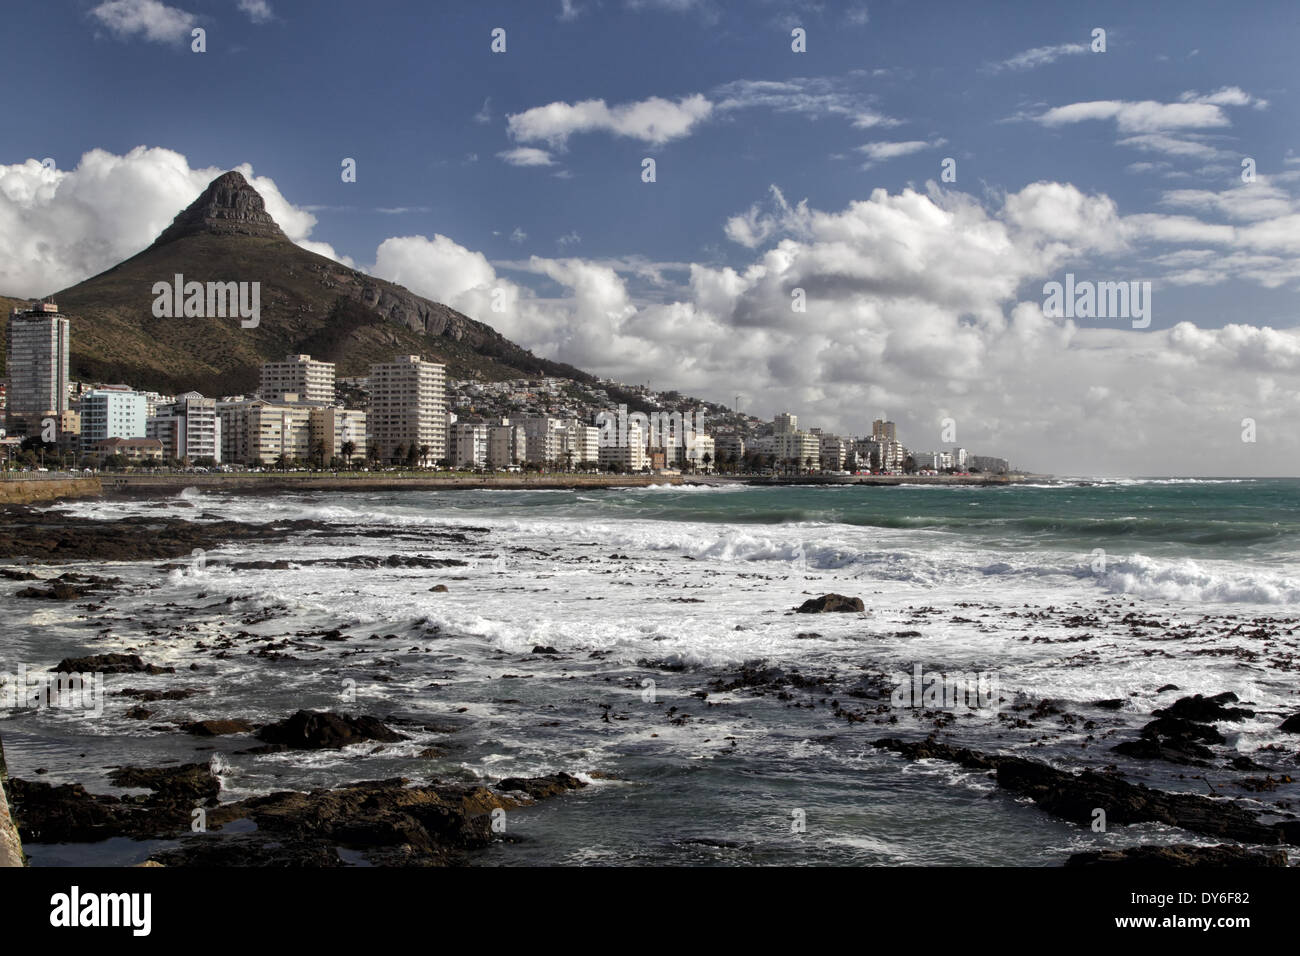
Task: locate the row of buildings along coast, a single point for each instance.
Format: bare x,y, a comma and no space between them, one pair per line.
405,412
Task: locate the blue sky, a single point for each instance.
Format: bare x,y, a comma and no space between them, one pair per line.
522,170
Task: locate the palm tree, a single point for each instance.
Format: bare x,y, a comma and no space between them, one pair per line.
348,448
706,458
424,456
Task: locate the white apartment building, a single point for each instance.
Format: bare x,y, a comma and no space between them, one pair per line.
833,452
882,453
545,437
189,429
36,367
469,448
579,443
959,458
785,424
507,445
803,448
408,406
301,376
702,453
629,457
258,432
112,413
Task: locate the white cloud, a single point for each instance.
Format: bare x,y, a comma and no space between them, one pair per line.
527,156
259,11
880,152
151,19
1139,117
58,227
484,115
654,120
1038,56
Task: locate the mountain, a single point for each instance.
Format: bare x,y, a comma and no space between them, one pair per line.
309,304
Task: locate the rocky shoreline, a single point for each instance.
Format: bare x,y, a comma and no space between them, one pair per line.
431,821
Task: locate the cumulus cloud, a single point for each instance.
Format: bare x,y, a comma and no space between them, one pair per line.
58,227
150,19
654,120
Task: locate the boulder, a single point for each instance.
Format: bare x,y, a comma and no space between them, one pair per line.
319,730
831,602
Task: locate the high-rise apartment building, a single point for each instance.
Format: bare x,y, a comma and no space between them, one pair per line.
884,431
785,424
36,367
298,378
408,406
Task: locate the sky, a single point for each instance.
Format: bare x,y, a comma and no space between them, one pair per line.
857,208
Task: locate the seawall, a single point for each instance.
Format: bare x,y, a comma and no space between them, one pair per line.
24,491
11,848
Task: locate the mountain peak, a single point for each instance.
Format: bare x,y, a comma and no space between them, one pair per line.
229,206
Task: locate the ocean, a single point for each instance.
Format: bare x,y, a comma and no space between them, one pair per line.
617,634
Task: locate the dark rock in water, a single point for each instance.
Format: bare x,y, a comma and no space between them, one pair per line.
189,784
1166,687
13,574
1245,763
139,712
1180,855
830,602
1176,727
387,821
1073,797
1113,703
316,730
1174,739
149,696
439,588
109,664
1291,725
1185,752
1205,709
933,750
544,649
59,592
390,823
539,788
217,728
68,814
